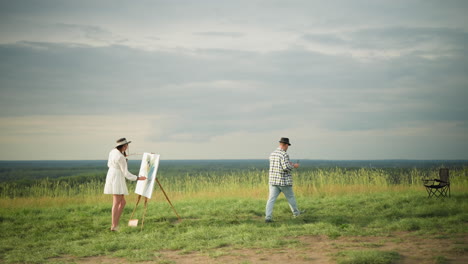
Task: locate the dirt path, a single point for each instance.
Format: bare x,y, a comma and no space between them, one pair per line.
317,249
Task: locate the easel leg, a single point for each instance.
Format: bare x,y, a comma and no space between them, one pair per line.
138,201
167,198
144,213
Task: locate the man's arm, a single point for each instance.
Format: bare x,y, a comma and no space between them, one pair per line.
286,164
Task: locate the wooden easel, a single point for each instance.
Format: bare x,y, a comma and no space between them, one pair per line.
134,222
167,198
146,206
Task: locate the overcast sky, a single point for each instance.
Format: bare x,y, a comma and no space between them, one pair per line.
226,79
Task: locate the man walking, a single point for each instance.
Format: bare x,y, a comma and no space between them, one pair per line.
280,179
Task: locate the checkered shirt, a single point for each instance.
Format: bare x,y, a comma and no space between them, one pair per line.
280,168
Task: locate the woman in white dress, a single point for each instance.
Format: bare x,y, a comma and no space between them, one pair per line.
115,179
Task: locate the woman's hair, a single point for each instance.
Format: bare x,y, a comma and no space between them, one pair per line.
120,149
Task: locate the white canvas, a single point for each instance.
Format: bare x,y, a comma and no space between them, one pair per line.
149,169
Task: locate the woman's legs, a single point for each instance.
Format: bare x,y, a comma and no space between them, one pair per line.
121,207
117,209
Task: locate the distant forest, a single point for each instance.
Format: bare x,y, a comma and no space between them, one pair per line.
79,170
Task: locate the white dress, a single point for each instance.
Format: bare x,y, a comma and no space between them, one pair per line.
118,171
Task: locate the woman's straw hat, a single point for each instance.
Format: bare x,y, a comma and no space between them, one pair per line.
122,141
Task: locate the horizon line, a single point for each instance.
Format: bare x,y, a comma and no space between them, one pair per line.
295,159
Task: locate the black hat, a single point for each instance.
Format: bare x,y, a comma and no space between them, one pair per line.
285,140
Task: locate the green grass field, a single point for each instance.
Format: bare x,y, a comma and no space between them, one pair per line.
66,221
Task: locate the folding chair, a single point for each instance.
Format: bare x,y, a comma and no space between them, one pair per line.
439,187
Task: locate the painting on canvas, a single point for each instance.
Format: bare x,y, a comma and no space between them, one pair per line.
149,169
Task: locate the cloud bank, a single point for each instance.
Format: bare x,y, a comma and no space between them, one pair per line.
342,80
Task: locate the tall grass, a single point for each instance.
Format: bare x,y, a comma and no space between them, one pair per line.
44,220
313,181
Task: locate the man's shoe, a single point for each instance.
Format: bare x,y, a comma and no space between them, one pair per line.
300,213
268,221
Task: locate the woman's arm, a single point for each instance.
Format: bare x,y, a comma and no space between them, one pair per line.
124,168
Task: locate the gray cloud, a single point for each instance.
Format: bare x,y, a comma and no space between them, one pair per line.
93,33
413,71
207,96
326,39
221,34
431,41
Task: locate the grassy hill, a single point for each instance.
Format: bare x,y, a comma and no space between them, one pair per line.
66,219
